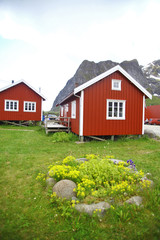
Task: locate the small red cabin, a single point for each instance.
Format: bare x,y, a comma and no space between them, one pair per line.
20,102
112,103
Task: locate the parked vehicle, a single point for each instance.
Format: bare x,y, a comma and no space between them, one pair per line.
154,121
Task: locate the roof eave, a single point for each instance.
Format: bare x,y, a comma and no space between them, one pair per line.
65,99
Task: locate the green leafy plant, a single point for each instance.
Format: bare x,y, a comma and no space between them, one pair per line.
64,137
100,177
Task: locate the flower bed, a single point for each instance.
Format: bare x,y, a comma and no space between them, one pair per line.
100,179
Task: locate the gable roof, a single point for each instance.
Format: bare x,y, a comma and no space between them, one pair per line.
22,81
106,74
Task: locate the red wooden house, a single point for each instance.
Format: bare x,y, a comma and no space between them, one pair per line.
112,103
19,101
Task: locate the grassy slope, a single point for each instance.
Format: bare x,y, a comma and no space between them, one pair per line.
25,212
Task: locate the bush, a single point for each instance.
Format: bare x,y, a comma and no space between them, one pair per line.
64,137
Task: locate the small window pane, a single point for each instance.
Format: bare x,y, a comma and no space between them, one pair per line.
26,106
116,84
15,105
32,106
11,105
7,105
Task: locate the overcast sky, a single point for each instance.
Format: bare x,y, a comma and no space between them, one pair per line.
45,41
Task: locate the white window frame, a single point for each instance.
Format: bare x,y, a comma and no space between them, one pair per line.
11,103
73,109
29,104
116,82
116,104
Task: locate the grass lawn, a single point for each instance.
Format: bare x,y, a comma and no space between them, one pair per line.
25,208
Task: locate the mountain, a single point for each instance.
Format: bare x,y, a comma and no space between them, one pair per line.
148,76
152,73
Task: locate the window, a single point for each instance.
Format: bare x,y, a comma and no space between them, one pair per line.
116,109
116,84
73,109
61,111
66,108
11,105
29,107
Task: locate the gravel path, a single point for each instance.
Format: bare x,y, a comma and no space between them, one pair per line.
153,129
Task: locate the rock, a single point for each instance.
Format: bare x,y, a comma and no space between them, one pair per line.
135,200
82,159
134,169
75,198
50,182
150,133
64,189
89,209
116,161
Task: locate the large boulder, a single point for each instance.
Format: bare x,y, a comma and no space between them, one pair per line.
64,189
100,208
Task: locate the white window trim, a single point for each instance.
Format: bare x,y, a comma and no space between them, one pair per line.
73,109
13,101
123,110
119,84
29,102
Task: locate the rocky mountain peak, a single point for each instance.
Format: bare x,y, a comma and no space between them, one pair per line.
89,69
152,73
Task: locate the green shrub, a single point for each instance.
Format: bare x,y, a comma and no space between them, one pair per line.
64,137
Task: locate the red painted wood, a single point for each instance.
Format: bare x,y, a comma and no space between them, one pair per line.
20,92
95,96
153,111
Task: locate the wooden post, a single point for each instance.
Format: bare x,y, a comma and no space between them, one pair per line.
81,138
112,138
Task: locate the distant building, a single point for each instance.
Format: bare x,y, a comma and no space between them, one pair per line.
19,101
112,103
152,112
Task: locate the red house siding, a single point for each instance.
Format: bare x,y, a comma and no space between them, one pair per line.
95,108
20,92
152,112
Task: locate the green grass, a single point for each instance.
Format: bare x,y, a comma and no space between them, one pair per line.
25,208
154,101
